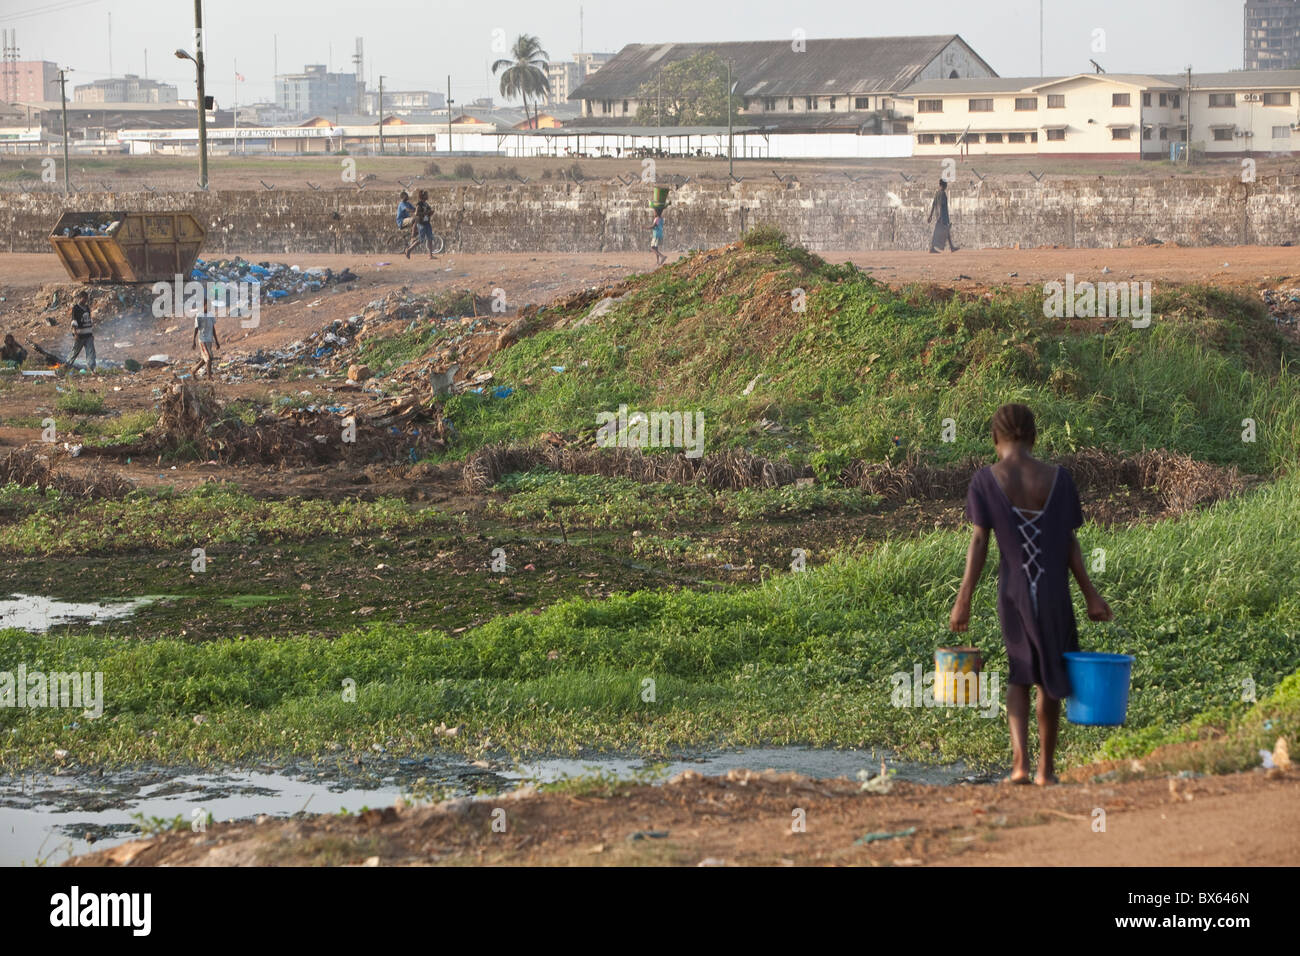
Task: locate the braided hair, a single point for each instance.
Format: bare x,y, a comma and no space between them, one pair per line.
1015,422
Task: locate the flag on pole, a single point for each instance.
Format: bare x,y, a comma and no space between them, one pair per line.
239,78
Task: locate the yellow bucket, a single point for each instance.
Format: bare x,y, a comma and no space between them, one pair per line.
956,676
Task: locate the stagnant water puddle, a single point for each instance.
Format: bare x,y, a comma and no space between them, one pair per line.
37,614
47,818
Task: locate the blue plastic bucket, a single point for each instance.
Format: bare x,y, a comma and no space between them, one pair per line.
1098,688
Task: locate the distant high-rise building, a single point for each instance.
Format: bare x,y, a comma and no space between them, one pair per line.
315,92
1271,35
566,76
30,81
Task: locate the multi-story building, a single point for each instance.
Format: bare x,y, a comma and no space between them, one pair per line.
315,92
405,102
29,81
1125,116
1271,35
124,89
831,84
566,76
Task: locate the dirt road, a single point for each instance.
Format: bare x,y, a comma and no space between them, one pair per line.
766,819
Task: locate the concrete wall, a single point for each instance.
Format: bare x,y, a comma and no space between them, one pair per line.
597,217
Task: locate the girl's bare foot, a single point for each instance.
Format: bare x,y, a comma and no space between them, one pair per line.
1021,779
1046,780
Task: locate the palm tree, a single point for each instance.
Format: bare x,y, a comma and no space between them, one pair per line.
525,74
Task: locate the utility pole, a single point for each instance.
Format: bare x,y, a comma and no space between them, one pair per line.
731,150
203,101
63,94
381,114
1040,38
448,114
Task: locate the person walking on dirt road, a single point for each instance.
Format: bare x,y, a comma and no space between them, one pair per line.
83,331
205,339
423,225
942,226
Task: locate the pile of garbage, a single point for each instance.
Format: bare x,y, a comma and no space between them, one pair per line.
276,279
1284,306
192,417
92,229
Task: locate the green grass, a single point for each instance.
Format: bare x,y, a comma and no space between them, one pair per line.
212,514
864,366
77,402
1202,602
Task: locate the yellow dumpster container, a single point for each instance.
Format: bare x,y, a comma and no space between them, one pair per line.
127,246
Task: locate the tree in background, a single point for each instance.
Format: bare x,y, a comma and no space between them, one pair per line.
693,92
524,74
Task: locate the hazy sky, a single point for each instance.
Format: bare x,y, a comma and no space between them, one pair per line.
417,44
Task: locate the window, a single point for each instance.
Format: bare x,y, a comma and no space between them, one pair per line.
744,104
947,137
1056,101
1055,135
1223,134
929,106
789,104
1121,133
1119,99
992,137
1026,102
606,106
1170,99
1277,99
1220,100
1033,137
981,106
925,138
1164,132
625,106
862,102
1281,132
1015,137
1146,132
832,103
810,102
1146,99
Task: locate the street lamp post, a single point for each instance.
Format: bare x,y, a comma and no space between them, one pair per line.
197,60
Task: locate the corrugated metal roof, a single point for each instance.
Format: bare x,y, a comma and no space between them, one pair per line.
774,68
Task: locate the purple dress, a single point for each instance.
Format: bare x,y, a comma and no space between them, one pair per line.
1034,604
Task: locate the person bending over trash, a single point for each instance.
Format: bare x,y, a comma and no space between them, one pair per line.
11,351
83,330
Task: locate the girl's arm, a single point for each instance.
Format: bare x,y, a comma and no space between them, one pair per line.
976,555
1098,609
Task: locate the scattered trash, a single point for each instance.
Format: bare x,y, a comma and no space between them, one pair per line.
883,835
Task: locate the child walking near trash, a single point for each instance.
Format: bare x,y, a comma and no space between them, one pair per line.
423,225
657,238
1033,509
205,338
83,331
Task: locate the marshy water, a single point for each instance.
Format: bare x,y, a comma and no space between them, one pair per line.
45,818
38,614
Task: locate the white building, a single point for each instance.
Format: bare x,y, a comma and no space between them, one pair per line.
1124,116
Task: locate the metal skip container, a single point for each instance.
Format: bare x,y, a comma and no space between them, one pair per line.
127,246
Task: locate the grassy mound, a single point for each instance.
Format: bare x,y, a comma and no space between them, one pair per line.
788,356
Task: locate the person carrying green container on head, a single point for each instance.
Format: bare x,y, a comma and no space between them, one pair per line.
657,237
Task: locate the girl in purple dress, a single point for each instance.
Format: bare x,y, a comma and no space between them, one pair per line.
1033,508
